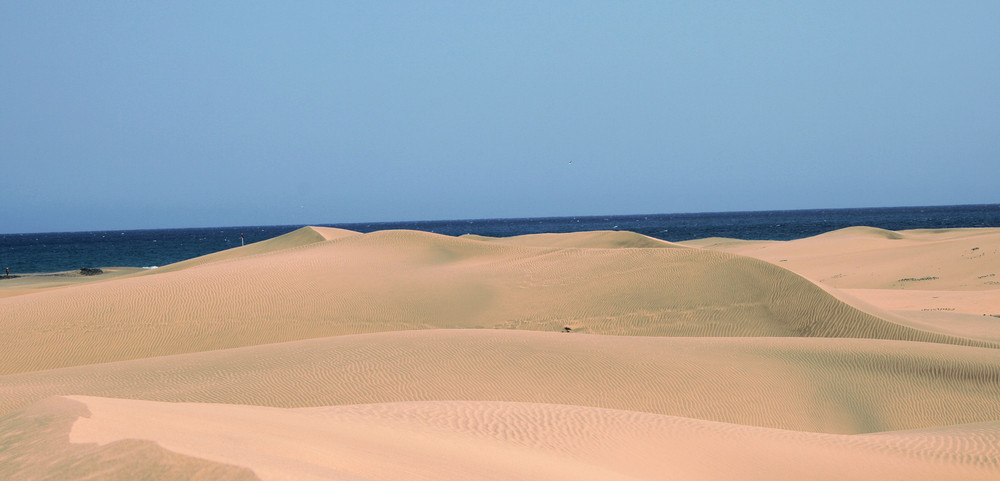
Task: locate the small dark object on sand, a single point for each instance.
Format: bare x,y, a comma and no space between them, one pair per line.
90,271
567,329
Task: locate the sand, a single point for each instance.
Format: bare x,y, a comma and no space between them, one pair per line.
330,354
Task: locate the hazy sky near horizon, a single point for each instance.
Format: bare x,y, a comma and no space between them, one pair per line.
123,115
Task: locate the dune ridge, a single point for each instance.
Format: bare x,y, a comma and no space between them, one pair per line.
303,236
581,240
340,286
331,354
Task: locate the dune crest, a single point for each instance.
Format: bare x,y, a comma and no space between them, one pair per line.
593,240
303,236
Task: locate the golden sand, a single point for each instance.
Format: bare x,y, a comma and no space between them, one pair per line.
329,354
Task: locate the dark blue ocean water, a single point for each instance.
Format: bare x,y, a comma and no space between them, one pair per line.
52,252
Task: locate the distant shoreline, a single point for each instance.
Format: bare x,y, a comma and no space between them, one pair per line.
57,252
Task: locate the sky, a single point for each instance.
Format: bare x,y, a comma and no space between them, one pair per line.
135,115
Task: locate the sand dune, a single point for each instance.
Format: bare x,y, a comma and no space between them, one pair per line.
298,238
946,280
869,258
822,385
489,440
330,354
402,280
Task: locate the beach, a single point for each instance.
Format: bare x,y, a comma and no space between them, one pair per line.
326,353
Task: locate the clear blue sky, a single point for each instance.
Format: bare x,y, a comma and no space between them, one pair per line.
120,115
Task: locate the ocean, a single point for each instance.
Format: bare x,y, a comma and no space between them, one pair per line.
62,251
